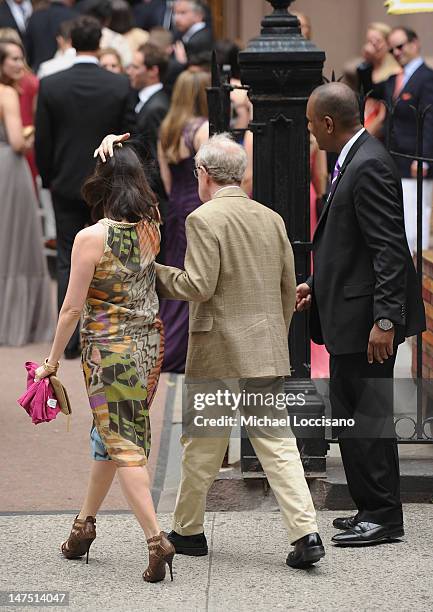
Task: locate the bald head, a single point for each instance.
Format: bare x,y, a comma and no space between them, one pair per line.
338,101
333,115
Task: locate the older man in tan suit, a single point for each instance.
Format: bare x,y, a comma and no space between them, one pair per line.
239,279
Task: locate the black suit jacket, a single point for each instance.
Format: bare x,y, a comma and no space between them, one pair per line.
417,92
200,42
149,14
363,269
7,19
42,30
145,134
149,119
76,109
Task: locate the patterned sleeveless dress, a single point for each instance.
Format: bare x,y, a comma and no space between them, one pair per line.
123,341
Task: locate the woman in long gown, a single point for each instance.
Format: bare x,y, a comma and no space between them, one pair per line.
183,131
26,305
113,279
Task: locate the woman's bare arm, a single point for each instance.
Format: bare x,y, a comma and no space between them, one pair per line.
12,119
86,253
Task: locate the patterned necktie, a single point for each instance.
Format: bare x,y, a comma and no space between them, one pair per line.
335,174
399,82
336,171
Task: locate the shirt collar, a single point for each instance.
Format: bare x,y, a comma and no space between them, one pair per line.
226,187
345,150
411,67
86,59
196,27
146,93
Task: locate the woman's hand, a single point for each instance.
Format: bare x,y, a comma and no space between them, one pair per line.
40,373
46,369
105,149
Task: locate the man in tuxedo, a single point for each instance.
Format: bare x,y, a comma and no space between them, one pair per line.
151,14
146,73
15,14
42,30
413,86
76,108
196,35
365,299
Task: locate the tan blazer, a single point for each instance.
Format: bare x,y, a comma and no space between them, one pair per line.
239,277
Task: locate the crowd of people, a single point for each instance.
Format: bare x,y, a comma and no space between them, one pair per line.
114,72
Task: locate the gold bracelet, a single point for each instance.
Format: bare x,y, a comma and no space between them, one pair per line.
50,368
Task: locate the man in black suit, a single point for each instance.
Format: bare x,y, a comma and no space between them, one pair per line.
42,30
146,73
151,14
15,14
365,299
412,87
76,108
196,35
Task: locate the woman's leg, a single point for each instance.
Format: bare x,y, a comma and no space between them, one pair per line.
101,477
136,488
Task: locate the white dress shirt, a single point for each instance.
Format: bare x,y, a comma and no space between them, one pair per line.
146,93
345,150
20,12
86,59
410,68
61,61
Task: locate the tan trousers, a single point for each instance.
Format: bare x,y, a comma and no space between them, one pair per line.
279,456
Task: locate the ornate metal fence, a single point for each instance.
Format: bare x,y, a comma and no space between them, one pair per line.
422,423
313,452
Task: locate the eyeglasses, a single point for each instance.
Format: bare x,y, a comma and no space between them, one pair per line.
399,47
206,169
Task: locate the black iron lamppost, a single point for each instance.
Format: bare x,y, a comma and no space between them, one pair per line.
282,68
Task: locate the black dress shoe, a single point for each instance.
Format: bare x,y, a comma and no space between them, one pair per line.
193,545
307,550
346,522
367,533
72,353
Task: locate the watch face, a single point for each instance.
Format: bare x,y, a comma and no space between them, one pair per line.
385,324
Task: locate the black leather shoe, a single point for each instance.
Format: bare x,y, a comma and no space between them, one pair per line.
346,522
193,545
367,533
307,550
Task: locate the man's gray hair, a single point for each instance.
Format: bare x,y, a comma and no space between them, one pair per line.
224,159
196,6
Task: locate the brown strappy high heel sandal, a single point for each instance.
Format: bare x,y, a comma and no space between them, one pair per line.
83,533
161,551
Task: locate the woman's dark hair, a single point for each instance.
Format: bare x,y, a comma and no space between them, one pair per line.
118,189
122,19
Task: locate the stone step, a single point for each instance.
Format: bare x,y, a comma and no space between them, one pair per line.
232,492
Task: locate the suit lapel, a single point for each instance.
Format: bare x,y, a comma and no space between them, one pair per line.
364,136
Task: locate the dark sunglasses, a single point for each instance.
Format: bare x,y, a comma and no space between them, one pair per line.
399,47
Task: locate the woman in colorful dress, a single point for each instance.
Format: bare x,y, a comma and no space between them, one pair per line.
113,279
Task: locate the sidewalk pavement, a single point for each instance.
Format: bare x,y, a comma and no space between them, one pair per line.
245,570
44,474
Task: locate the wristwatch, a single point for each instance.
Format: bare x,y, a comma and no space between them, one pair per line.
385,324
